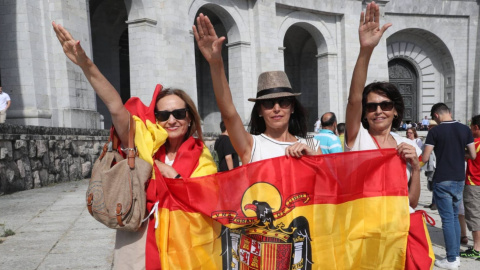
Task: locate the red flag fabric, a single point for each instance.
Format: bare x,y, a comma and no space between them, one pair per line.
339,211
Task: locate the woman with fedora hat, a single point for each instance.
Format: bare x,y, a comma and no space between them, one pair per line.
278,121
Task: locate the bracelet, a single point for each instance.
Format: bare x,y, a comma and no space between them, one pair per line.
178,176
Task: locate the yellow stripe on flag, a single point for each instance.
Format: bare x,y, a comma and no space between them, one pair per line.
367,233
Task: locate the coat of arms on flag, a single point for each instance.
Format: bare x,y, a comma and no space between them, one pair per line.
264,242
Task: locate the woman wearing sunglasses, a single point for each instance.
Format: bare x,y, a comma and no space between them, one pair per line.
373,110
277,122
166,130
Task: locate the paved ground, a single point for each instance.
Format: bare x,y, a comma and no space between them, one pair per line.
53,230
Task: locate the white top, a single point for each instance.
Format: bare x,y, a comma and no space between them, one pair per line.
4,98
265,147
168,161
364,141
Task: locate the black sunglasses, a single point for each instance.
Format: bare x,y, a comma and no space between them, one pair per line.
384,105
283,102
179,114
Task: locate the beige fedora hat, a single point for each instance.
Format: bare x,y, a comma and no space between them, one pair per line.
273,84
432,123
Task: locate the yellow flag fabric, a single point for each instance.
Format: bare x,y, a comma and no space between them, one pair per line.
339,211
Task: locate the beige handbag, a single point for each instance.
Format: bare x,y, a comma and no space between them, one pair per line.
116,192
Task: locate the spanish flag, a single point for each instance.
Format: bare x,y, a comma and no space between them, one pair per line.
339,211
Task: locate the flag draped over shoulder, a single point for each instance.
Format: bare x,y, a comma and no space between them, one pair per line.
339,211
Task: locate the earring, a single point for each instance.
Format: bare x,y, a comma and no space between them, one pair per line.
395,116
189,124
292,112
260,115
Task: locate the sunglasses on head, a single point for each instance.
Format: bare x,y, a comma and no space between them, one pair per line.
282,102
179,114
384,105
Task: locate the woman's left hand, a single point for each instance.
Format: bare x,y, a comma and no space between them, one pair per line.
409,153
166,170
298,150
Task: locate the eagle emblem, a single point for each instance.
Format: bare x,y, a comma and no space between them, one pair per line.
262,241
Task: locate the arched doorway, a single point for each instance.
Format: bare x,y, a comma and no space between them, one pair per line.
207,105
301,67
404,76
110,47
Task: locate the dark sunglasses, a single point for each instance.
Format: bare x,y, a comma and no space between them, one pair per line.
283,102
384,105
179,114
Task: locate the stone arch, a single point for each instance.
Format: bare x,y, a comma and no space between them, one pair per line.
326,97
228,13
107,23
310,22
433,62
230,22
301,66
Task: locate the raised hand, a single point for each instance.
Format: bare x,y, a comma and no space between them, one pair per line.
209,44
71,47
369,31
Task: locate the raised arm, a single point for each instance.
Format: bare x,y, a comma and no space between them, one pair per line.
107,93
369,35
211,47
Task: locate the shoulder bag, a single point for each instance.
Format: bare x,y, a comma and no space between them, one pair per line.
116,192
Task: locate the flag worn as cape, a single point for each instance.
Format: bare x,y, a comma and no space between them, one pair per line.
339,211
193,159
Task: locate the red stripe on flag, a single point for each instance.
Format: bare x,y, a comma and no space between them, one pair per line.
333,178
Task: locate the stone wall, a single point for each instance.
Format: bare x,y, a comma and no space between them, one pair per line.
37,156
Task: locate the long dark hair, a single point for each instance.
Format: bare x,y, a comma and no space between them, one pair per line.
389,91
297,125
195,126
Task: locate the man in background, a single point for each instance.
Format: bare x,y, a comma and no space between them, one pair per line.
4,105
448,140
425,123
227,157
329,142
471,194
316,126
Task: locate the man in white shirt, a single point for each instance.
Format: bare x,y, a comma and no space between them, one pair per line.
4,105
425,123
317,125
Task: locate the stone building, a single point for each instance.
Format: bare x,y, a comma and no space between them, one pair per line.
431,52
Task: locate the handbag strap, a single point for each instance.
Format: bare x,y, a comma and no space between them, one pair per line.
130,150
131,145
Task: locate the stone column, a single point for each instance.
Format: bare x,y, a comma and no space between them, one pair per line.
265,27
45,87
240,78
144,58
